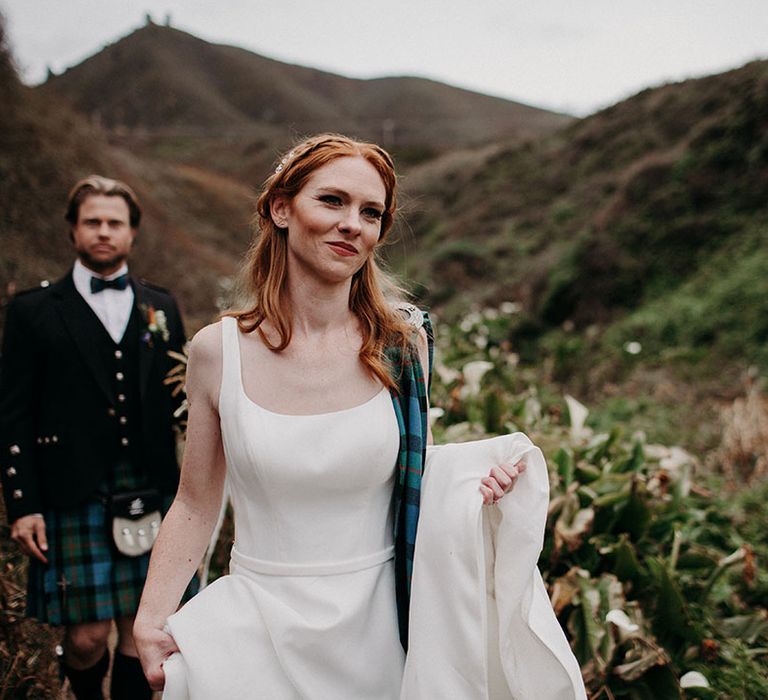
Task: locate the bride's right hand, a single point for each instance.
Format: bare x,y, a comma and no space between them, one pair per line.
154,646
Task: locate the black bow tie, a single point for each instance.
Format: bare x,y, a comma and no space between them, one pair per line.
99,285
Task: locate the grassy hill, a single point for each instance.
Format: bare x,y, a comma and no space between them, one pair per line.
195,127
633,243
162,78
45,147
645,222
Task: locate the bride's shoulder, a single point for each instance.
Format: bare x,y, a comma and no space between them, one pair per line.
205,346
204,366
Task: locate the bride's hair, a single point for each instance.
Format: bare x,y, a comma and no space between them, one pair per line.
372,293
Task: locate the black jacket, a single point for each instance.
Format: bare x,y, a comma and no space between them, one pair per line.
58,403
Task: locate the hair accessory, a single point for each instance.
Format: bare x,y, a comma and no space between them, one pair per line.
411,314
283,162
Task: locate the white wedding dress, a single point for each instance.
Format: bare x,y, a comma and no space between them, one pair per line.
308,610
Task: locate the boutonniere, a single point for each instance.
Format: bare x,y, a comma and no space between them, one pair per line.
156,324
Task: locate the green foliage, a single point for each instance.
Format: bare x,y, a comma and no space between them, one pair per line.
720,308
650,565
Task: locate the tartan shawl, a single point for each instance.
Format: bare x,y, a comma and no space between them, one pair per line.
411,406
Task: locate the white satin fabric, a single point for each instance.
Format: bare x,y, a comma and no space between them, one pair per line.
481,624
308,610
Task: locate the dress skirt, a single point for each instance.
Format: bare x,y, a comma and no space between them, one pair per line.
282,632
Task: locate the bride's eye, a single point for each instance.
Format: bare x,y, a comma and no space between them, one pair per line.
331,199
372,213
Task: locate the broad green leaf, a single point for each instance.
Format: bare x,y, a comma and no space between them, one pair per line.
634,461
587,473
671,622
589,627
626,565
634,517
601,445
564,461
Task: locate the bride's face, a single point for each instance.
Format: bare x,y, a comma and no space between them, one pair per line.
334,221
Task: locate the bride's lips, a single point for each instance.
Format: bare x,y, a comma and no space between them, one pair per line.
343,248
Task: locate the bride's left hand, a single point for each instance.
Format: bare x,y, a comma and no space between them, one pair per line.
500,480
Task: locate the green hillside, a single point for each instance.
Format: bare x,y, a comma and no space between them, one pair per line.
160,78
621,259
645,222
45,147
641,226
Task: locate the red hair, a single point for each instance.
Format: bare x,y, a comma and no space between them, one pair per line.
266,267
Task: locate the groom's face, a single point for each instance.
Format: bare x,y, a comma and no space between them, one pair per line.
103,235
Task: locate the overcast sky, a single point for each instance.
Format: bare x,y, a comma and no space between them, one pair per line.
569,55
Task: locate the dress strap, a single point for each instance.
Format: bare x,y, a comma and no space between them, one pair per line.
230,362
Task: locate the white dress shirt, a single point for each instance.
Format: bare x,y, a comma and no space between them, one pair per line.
112,306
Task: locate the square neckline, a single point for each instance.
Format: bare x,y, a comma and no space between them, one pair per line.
241,385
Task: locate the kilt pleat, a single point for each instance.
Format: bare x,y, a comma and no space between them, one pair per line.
85,579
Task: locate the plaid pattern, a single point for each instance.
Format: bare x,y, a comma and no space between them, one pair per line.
411,409
86,579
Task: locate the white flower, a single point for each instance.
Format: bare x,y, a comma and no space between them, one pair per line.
694,679
435,412
675,463
470,321
622,621
161,323
473,374
532,410
480,341
633,347
490,313
509,307
578,413
676,458
446,374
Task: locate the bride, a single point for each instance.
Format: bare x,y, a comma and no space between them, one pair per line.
313,402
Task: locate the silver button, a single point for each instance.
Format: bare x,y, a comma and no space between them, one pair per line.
118,354
54,438
17,494
121,398
11,471
46,440
111,411
15,450
39,441
44,283
119,376
124,442
123,420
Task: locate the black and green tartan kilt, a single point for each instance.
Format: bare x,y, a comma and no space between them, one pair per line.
86,579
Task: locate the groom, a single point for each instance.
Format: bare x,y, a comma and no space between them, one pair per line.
84,414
